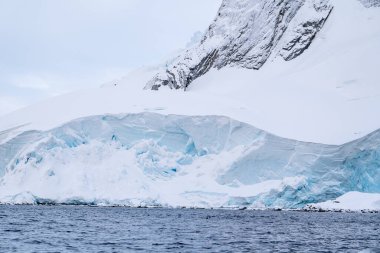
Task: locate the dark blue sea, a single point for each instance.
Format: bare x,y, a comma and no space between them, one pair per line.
103,229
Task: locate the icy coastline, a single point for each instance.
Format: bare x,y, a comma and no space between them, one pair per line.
149,159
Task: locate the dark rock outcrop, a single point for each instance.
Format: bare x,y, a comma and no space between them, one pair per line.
246,33
370,3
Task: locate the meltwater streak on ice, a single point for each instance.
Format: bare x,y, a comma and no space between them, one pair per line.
150,159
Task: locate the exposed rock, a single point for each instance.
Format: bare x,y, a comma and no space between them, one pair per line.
304,27
370,3
244,34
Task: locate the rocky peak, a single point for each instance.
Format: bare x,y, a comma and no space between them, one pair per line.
245,33
370,3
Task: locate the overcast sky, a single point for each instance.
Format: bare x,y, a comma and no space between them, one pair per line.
52,47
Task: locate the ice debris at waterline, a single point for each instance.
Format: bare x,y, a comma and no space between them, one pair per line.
352,202
150,159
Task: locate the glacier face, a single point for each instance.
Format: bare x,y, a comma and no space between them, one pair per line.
246,33
152,159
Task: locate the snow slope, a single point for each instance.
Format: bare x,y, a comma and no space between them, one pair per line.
210,161
329,94
352,201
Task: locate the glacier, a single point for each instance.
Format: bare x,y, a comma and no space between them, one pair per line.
150,159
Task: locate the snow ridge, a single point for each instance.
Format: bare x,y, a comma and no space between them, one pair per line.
244,34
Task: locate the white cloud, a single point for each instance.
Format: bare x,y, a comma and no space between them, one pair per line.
52,47
31,82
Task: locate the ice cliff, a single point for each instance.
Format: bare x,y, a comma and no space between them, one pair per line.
149,159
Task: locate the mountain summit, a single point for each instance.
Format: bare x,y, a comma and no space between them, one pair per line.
246,33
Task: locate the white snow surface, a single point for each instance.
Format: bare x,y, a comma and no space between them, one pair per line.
330,94
352,201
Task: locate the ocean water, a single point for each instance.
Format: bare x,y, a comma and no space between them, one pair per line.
106,229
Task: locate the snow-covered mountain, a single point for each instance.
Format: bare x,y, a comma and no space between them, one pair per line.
303,71
246,33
